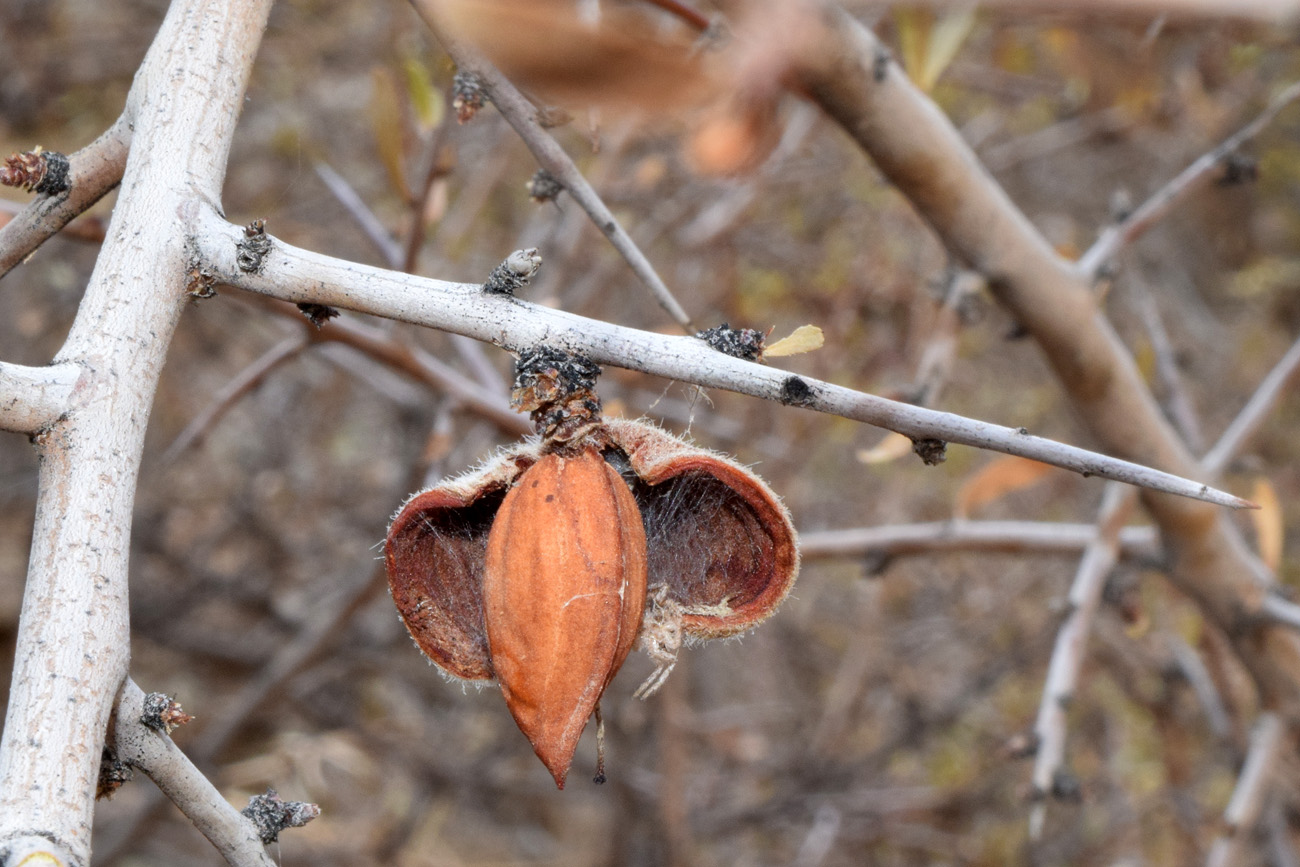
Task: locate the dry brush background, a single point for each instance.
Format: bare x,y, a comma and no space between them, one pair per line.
877,717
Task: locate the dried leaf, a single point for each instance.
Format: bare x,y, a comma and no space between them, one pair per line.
426,99
1270,530
387,125
1002,476
928,43
891,448
946,38
803,339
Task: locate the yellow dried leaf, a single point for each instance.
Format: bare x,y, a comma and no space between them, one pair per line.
388,126
891,448
945,39
928,43
997,479
1270,531
803,339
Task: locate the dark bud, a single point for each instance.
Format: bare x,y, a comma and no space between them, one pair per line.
318,314
558,389
162,713
931,451
253,248
113,774
796,392
514,273
270,815
38,171
544,187
468,96
200,281
1238,168
746,343
1066,786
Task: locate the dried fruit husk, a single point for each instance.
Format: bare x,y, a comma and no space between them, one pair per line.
564,586
715,536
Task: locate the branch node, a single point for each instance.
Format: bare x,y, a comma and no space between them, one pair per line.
270,815
514,273
200,281
559,389
253,248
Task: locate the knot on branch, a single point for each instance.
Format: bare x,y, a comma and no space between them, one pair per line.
318,314
796,392
270,815
113,774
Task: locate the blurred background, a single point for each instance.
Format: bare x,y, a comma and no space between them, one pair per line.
879,717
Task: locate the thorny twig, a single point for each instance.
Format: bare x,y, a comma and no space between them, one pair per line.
300,276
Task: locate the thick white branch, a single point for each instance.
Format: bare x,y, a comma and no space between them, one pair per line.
298,275
73,641
32,398
155,754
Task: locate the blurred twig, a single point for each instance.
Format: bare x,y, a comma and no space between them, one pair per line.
1252,415
1251,793
233,391
352,202
1010,537
1177,401
521,115
1068,654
